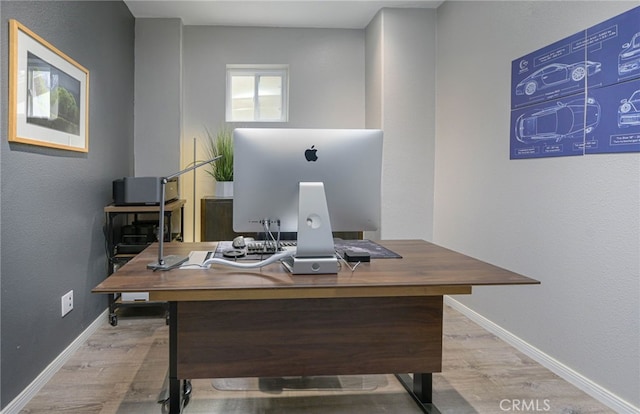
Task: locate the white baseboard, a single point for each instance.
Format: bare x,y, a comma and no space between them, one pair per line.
585,384
36,385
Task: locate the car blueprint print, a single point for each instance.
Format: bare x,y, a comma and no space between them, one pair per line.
554,128
629,58
579,95
616,44
551,72
555,74
629,111
564,120
619,128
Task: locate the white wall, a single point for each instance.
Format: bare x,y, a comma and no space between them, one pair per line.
401,100
326,84
573,223
327,90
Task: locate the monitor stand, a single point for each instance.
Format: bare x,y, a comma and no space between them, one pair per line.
315,253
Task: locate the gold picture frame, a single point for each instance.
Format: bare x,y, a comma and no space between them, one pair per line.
48,94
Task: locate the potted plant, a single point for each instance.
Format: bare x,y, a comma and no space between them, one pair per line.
221,170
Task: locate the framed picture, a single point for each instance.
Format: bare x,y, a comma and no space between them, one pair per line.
48,94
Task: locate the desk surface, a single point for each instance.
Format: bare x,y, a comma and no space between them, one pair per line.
425,269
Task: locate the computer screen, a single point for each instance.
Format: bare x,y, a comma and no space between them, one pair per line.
270,164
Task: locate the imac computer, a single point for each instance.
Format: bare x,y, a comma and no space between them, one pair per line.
309,181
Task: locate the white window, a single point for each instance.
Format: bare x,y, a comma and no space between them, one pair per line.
257,93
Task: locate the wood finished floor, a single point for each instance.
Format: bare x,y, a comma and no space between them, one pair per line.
121,370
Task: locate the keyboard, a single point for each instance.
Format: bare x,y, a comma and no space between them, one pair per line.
268,247
197,258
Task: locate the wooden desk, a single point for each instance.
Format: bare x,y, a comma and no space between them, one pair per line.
386,317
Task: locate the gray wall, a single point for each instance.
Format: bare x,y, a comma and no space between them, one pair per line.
573,222
52,200
158,96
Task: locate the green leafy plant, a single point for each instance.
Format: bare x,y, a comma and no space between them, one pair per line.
220,144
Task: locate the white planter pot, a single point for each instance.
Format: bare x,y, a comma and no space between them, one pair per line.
224,189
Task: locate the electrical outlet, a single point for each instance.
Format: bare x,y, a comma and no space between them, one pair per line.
67,302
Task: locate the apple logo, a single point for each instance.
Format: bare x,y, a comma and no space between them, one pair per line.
310,154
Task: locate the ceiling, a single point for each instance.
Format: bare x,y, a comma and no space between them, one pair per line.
334,14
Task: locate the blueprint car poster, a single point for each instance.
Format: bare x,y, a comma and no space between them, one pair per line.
551,72
615,43
554,128
599,67
619,126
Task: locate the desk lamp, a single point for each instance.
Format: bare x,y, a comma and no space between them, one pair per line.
171,261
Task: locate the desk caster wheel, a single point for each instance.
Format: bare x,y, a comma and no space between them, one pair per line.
113,319
186,390
184,400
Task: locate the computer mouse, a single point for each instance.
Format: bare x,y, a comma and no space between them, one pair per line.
239,243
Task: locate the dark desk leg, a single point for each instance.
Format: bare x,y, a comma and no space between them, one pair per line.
178,397
182,225
420,389
174,382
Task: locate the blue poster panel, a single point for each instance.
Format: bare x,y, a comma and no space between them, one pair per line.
556,128
551,72
619,127
580,95
615,43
